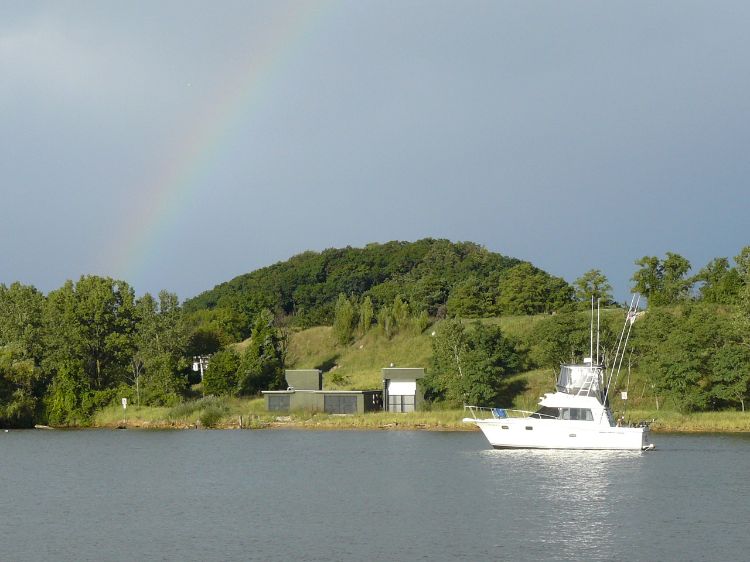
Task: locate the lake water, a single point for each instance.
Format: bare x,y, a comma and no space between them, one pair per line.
350,495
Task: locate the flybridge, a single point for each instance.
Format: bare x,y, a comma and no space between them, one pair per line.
581,380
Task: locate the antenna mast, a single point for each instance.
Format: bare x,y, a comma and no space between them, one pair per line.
591,336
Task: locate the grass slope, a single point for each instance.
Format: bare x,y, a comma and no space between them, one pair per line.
356,366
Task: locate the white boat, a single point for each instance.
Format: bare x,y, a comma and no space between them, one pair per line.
576,416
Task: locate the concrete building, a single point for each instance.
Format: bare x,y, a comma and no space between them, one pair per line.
306,392
401,390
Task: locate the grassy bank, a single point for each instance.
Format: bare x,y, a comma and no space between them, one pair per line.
227,413
234,413
702,422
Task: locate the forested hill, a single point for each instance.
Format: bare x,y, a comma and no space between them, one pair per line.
435,276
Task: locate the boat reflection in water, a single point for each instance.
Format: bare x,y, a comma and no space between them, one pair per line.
568,501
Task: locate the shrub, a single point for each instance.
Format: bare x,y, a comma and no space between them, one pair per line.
188,410
211,416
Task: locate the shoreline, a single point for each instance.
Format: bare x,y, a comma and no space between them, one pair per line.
244,414
352,425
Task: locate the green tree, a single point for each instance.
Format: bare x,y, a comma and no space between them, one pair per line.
220,376
262,365
450,346
386,323
21,381
677,284
743,263
400,313
88,338
689,354
741,327
366,316
21,309
525,289
742,312
469,366
593,284
344,318
102,328
469,299
421,322
429,292
566,338
19,398
68,396
719,283
212,329
160,343
663,282
730,367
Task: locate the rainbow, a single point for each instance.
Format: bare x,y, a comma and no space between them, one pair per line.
178,179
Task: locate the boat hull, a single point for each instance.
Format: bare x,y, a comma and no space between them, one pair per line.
530,433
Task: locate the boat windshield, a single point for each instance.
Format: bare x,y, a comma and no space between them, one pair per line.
546,413
579,414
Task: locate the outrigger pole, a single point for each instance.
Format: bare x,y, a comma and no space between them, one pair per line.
625,334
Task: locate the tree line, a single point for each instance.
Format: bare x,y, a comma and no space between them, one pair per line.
90,343
87,344
437,277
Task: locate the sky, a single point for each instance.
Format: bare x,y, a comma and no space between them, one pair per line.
178,144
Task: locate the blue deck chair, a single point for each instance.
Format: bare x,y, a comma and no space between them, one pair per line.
499,413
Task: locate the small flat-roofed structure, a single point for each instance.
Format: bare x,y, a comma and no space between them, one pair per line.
401,392
304,379
305,392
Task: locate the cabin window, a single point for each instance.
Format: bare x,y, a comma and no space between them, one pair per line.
529,427
546,413
576,414
504,427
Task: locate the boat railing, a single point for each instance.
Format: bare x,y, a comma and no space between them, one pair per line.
484,413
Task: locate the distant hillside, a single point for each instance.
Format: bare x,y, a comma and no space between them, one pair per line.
431,275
